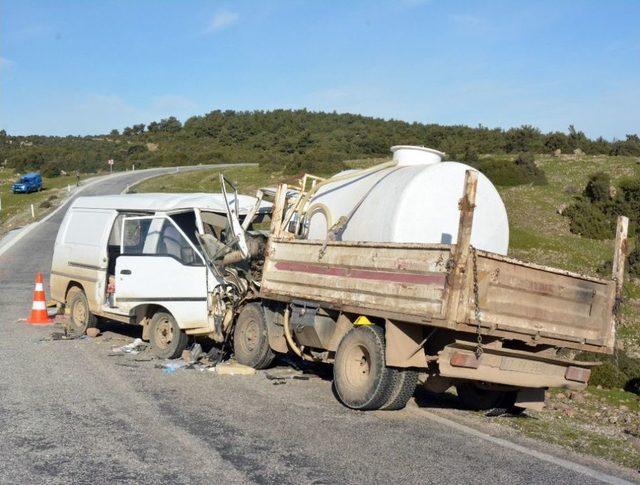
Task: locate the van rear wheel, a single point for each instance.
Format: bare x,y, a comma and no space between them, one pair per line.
166,338
80,314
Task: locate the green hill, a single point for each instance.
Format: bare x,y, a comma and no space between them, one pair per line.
288,140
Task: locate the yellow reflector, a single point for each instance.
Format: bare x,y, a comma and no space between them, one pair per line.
362,320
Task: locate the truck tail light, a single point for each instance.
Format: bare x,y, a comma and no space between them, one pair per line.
461,359
577,374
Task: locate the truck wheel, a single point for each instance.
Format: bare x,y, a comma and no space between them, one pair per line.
166,338
405,382
80,314
476,398
250,338
361,378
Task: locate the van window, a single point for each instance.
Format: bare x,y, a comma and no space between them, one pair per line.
157,236
135,236
187,222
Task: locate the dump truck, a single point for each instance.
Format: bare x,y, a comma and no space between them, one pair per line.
388,314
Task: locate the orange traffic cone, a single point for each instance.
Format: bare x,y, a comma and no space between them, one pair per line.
39,315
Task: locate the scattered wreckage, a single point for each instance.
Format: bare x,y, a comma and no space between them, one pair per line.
382,305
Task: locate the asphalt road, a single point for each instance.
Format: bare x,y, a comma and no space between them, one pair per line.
69,412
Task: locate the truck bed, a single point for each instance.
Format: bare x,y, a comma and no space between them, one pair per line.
414,283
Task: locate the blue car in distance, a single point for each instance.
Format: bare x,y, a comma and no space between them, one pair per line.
30,182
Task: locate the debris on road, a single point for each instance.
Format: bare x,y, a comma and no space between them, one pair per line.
93,332
230,368
192,354
135,347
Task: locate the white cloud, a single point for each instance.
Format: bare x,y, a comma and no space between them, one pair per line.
221,20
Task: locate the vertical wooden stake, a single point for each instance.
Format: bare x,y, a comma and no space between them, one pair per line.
460,255
278,210
33,214
466,205
620,253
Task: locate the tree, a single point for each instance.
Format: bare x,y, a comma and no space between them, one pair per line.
556,141
114,132
523,139
170,125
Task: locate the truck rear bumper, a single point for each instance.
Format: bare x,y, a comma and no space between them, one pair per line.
512,367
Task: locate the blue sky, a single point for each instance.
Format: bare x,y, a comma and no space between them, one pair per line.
86,67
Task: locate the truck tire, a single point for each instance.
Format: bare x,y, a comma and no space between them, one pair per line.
250,338
80,316
405,382
476,398
166,338
361,378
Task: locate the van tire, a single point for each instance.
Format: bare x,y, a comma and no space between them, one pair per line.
166,338
404,386
251,338
361,378
80,316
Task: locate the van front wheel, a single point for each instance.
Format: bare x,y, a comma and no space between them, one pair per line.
167,339
80,314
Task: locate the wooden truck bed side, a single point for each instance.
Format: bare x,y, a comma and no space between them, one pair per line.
408,282
434,284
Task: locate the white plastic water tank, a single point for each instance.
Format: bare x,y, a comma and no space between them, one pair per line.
414,201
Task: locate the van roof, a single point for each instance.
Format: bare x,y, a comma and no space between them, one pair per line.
155,202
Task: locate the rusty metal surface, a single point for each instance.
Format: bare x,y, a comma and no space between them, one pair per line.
541,302
508,367
400,280
408,282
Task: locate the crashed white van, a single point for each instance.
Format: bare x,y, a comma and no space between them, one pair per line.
165,261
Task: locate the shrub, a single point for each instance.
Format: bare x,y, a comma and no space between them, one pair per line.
506,173
616,371
588,220
597,188
633,261
527,165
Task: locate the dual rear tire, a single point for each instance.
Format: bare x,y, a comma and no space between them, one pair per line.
361,377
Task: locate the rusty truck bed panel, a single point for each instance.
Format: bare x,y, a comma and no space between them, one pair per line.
518,300
385,278
542,302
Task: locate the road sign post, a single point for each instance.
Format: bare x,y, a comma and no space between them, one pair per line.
110,162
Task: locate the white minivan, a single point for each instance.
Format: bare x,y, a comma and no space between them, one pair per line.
157,260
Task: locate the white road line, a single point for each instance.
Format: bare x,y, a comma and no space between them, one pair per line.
569,465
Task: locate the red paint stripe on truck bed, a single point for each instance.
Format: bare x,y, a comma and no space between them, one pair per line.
363,274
